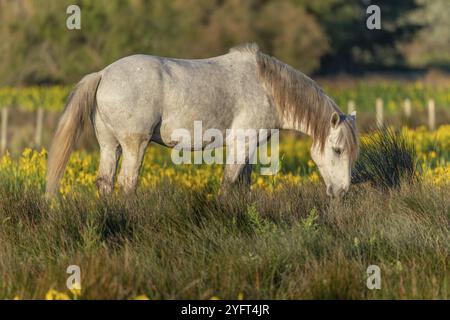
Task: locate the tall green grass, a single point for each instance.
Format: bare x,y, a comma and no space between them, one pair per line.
174,243
387,157
293,243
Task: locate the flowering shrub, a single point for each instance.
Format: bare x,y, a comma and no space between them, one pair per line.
432,148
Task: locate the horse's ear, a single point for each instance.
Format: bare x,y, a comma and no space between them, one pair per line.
335,119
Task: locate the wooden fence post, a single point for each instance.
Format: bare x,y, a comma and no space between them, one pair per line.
351,106
4,130
39,125
379,112
407,108
431,115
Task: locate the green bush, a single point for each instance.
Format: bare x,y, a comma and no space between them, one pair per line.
386,158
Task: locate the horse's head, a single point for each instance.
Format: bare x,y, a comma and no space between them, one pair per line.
336,155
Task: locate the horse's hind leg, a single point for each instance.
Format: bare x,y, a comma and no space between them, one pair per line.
109,156
133,150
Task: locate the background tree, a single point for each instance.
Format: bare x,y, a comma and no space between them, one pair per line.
315,36
354,48
431,45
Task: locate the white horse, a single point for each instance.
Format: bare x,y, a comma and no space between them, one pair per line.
140,98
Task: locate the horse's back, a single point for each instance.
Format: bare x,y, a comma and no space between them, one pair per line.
130,74
142,91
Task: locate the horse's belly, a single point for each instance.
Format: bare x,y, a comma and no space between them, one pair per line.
192,135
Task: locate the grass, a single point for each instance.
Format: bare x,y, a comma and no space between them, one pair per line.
174,243
386,159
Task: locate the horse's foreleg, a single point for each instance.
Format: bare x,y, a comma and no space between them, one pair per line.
133,150
237,175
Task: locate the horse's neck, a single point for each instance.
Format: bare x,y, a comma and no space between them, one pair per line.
289,122
290,90
318,108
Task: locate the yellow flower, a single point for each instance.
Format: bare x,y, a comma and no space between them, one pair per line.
52,294
141,297
76,291
314,177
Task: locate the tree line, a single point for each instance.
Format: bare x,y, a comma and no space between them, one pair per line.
321,36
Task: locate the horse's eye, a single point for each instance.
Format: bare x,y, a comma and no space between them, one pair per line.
338,151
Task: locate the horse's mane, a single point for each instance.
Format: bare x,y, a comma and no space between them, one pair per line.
297,96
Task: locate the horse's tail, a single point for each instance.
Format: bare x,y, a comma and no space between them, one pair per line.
79,107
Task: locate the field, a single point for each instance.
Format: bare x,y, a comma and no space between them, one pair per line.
363,93
182,236
177,239
25,104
